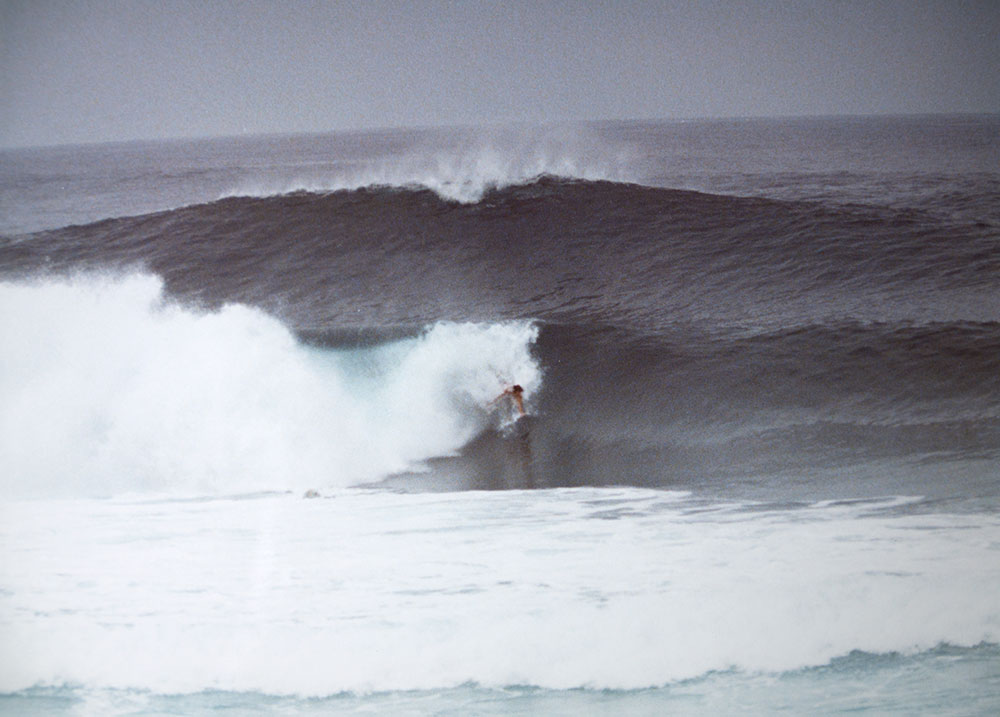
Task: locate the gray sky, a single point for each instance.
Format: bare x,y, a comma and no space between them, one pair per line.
92,70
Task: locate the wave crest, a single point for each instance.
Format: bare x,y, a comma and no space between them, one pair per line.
463,173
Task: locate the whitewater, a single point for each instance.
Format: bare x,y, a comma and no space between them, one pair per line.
363,592
251,456
165,399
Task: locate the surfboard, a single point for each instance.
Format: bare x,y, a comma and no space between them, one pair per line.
521,427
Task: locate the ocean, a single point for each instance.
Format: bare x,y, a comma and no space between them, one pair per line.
252,459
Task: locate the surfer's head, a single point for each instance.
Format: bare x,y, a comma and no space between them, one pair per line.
516,389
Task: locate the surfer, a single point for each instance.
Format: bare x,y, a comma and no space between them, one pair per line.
516,443
516,394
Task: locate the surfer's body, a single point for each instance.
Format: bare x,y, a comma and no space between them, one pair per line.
516,395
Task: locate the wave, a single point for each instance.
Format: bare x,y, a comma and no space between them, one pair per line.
464,173
555,249
734,412
686,338
111,388
143,393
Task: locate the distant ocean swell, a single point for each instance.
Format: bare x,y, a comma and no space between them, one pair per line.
550,248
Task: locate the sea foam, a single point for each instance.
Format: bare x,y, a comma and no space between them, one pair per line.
372,591
110,388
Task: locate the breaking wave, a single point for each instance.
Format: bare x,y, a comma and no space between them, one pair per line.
110,388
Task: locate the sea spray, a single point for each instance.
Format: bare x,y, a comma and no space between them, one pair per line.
462,170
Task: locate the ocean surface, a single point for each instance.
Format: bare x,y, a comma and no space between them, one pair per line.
251,460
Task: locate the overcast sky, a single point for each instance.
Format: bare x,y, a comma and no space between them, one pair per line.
96,70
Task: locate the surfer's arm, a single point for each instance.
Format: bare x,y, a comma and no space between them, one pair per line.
499,398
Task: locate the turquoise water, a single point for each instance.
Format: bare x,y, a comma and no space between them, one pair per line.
943,681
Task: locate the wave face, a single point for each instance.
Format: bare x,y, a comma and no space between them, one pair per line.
556,249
